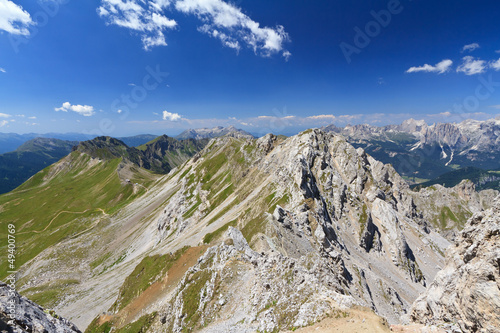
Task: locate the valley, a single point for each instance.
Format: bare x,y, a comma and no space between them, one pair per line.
261,234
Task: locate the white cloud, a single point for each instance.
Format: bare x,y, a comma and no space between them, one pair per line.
3,123
119,111
5,115
286,55
14,19
84,110
32,117
470,47
220,20
3,70
495,65
472,66
232,27
323,117
440,68
143,17
171,116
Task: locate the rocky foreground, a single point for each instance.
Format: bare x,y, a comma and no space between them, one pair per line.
268,234
28,316
467,291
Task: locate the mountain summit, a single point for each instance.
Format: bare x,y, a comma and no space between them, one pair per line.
267,234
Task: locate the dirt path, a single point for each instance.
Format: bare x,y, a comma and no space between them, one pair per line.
55,217
356,321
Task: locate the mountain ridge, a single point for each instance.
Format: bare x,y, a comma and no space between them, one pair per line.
427,151
273,224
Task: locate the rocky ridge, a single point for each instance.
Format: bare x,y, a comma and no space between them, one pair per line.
467,291
310,207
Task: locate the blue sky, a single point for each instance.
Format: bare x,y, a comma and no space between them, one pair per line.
124,67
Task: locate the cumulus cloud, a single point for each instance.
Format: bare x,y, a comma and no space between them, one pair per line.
171,116
5,115
472,66
470,47
14,19
323,117
440,68
220,19
3,70
144,17
232,27
3,123
495,65
84,110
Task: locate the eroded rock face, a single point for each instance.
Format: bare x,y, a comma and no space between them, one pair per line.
28,316
467,290
246,291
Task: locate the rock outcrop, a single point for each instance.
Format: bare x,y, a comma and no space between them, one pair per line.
316,217
235,289
19,315
467,290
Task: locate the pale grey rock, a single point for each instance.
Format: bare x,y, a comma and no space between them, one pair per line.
467,290
28,316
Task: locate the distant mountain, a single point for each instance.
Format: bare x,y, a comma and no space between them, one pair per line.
423,152
208,133
482,179
137,140
159,155
11,141
165,153
32,156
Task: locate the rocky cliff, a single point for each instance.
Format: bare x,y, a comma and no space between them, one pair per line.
280,232
467,291
28,317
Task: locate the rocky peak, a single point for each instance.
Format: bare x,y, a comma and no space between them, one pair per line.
411,125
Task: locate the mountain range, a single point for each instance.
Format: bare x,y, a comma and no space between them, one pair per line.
242,234
422,152
159,154
32,156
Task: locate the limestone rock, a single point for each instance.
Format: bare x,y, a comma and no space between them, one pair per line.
467,290
28,316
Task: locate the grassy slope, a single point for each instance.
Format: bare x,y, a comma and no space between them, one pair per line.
34,155
46,212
